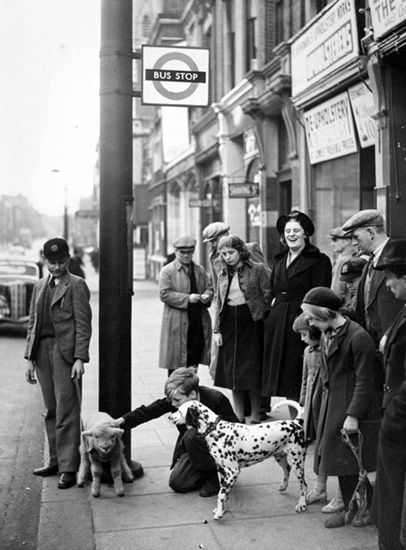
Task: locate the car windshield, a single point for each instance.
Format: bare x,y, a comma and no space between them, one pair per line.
18,269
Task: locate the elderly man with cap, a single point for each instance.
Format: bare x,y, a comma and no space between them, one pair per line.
186,290
389,502
376,307
58,337
343,249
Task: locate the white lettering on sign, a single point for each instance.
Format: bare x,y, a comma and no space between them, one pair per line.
175,76
363,107
386,14
330,129
330,43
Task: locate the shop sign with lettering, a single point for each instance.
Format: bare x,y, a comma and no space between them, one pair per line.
330,129
362,103
328,44
386,14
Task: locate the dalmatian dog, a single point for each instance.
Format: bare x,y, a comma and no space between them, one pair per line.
236,446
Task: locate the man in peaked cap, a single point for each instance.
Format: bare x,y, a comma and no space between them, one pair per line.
350,275
343,249
58,336
375,305
186,290
389,503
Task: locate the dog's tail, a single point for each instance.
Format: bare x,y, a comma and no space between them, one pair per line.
296,412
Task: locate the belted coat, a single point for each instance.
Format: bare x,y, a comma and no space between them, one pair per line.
174,291
283,353
347,389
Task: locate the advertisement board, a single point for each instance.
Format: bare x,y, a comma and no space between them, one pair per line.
328,44
330,129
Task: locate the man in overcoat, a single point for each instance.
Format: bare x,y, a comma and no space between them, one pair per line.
58,337
389,506
186,290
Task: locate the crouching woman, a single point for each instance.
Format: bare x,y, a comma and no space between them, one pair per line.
348,401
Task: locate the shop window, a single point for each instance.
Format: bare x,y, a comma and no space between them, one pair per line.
336,197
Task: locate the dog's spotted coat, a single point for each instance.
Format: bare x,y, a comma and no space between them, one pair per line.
236,446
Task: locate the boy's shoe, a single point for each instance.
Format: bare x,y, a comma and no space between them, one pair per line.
336,520
211,486
335,505
316,496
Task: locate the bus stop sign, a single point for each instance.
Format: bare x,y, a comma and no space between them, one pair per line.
175,76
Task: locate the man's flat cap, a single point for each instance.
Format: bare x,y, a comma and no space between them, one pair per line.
393,255
352,268
56,249
338,233
214,230
185,242
363,218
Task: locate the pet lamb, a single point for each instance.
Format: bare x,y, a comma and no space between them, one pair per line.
101,444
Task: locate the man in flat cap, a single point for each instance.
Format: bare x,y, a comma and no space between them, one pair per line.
186,290
58,337
389,502
343,249
375,305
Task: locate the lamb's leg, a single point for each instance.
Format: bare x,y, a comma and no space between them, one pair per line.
97,471
84,467
126,471
115,468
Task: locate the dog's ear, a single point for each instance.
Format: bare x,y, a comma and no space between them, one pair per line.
192,417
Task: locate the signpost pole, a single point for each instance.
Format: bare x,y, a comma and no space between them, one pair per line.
115,210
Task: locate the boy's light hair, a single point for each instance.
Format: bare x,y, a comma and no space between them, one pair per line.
320,313
184,380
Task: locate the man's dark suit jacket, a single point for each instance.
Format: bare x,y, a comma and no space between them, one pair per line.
382,305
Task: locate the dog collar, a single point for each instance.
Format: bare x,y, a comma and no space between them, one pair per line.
211,427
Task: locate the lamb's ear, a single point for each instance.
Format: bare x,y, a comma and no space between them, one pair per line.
88,440
118,431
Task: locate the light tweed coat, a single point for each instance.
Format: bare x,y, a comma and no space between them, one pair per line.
174,290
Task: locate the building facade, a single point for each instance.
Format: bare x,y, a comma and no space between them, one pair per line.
306,111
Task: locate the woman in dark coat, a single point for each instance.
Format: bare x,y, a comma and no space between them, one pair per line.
296,270
348,400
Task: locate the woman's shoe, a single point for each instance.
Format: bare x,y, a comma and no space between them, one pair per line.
335,505
335,520
316,496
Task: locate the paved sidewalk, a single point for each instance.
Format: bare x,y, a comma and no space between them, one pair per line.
151,516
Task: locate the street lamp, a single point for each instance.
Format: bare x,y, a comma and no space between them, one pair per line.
65,210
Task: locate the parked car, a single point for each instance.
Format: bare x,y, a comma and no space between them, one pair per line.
17,278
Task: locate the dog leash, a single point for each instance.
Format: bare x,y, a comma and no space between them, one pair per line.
79,394
358,503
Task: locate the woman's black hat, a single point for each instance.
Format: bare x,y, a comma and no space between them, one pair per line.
295,215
